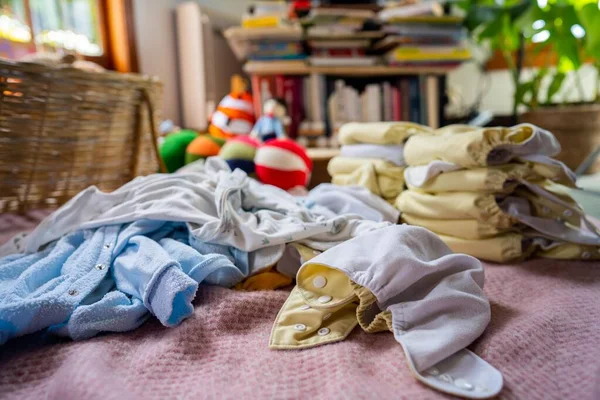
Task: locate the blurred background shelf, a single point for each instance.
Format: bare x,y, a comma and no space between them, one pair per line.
301,68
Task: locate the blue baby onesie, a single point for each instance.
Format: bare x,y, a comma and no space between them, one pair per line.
111,279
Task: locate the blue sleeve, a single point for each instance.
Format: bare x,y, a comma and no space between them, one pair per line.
146,271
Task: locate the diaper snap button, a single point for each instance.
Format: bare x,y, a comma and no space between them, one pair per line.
305,307
324,299
300,327
463,384
319,281
323,331
545,210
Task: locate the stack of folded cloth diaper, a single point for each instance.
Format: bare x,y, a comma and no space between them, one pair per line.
372,156
495,193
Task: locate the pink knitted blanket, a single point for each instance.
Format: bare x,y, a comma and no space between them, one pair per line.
544,337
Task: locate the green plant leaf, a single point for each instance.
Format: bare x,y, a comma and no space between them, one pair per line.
555,84
522,90
589,17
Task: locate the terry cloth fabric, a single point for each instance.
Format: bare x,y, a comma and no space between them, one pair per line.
380,177
219,206
110,279
472,147
403,279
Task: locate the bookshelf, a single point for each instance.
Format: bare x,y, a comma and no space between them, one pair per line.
301,68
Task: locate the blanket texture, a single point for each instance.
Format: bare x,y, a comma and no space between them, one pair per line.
544,337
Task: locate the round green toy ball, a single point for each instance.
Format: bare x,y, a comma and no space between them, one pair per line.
173,148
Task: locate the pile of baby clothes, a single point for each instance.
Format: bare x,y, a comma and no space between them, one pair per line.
372,156
495,193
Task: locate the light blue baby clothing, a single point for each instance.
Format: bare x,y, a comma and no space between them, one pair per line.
111,279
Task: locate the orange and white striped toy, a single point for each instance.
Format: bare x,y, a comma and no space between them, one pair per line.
234,115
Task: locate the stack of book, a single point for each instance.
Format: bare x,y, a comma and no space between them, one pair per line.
419,35
340,36
265,14
267,44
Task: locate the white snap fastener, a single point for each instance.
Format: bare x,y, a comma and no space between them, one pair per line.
319,281
567,213
305,307
324,299
72,292
433,371
463,384
586,255
99,267
107,246
545,210
323,331
446,378
326,316
300,327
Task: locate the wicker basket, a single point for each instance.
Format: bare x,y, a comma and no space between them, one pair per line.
577,128
64,129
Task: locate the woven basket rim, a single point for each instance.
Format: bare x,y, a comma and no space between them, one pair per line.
71,72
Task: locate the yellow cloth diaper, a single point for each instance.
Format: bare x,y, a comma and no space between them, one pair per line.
380,132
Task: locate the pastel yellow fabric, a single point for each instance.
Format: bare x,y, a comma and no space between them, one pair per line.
464,228
454,206
380,132
380,177
462,145
305,321
266,280
571,251
501,248
496,179
545,208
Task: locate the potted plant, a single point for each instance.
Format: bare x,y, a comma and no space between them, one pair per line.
563,35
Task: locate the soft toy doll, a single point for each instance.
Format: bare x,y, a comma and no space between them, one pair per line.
270,125
235,113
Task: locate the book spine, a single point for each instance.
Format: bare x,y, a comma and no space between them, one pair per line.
279,86
396,102
414,100
405,96
433,99
423,99
387,102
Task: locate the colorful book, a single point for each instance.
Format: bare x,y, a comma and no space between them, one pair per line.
387,102
414,99
396,102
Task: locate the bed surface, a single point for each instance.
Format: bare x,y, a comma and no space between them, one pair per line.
544,337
